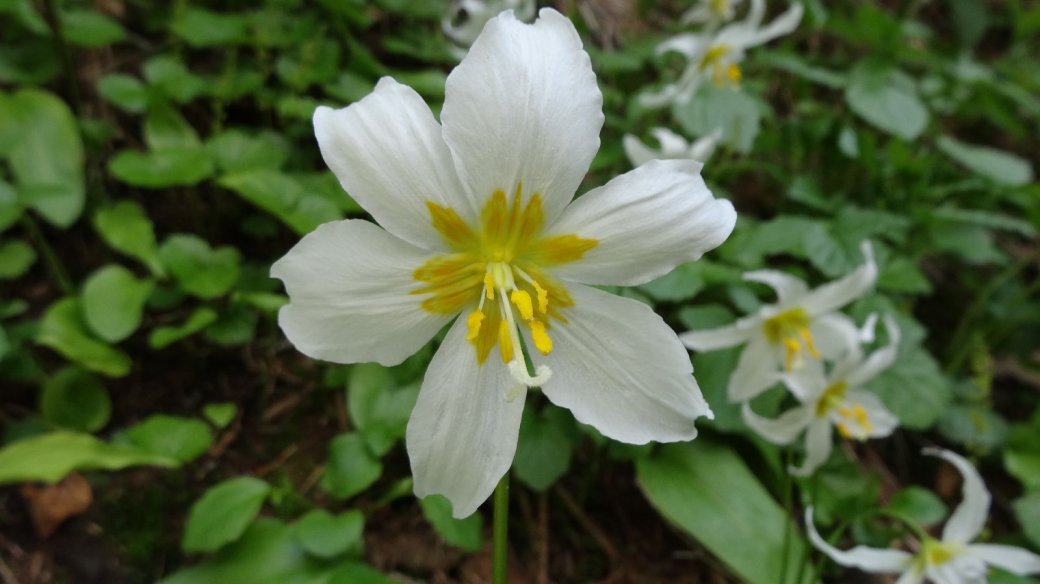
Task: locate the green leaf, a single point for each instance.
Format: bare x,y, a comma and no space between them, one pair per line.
16,257
914,389
737,113
124,91
351,467
182,439
172,78
162,168
127,229
466,534
90,28
223,513
978,427
220,415
166,335
546,443
328,536
235,150
986,219
902,275
199,269
997,165
378,407
793,63
50,457
919,506
1027,511
887,100
202,28
113,302
75,399
236,325
682,283
165,128
63,330
51,184
706,490
283,197
10,210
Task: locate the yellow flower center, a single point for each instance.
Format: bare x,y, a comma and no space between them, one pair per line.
719,7
791,329
722,73
831,398
935,553
497,269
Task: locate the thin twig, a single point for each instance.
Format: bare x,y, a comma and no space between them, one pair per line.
587,524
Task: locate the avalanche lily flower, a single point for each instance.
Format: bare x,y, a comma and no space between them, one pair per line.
951,560
477,223
466,18
673,147
780,336
711,13
832,400
717,56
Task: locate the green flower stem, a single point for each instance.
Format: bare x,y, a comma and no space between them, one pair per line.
501,530
788,494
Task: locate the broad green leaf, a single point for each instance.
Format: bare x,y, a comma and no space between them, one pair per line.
127,229
682,283
220,415
1027,511
546,443
283,197
16,257
50,457
165,128
51,184
124,91
235,150
351,467
199,269
887,100
327,536
10,210
978,427
465,533
113,302
737,113
914,389
204,28
706,490
90,28
316,60
426,82
793,63
236,325
162,168
172,78
986,219
920,506
223,513
75,399
379,407
182,439
998,165
902,275
63,330
166,335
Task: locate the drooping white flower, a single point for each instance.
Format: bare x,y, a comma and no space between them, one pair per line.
779,336
951,560
717,55
466,18
711,13
673,147
832,400
477,223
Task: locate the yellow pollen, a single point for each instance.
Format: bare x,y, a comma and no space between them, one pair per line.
846,412
489,285
714,55
473,324
793,350
790,328
733,73
935,553
522,300
543,297
831,398
720,7
541,338
844,430
809,344
505,343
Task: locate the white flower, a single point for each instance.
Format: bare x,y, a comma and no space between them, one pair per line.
466,18
717,56
477,220
711,13
952,560
780,335
832,400
673,147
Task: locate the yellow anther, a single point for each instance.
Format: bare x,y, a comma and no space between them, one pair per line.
844,431
522,300
541,338
489,286
473,324
846,412
809,344
505,343
733,73
793,350
543,297
713,55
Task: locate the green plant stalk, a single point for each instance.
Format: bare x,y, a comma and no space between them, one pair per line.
61,276
501,531
788,504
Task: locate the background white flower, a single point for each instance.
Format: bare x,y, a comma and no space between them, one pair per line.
802,324
476,220
466,18
673,147
832,400
711,13
951,560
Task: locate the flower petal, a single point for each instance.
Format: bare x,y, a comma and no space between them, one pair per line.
462,435
807,383
789,289
970,516
865,558
619,368
757,370
388,153
836,336
702,149
782,25
646,222
523,106
879,360
817,447
911,576
722,337
834,295
637,152
781,430
349,285
1013,559
882,421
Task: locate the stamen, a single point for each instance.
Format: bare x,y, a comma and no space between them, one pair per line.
519,372
522,300
844,430
541,339
505,343
793,350
543,297
489,286
733,73
514,392
473,324
809,344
